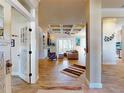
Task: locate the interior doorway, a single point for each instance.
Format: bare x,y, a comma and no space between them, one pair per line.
112,47
21,46
68,43
112,40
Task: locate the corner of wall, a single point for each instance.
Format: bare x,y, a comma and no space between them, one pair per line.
93,85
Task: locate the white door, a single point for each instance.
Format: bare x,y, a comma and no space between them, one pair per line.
2,73
2,48
25,56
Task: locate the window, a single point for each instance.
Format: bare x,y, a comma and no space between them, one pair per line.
65,45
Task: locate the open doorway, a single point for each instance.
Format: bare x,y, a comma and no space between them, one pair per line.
112,40
113,64
65,45
20,46
60,49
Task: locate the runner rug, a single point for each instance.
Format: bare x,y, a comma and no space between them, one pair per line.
74,70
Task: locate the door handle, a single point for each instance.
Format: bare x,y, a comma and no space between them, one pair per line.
8,66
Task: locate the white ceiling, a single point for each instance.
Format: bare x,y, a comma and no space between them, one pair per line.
112,3
61,12
67,11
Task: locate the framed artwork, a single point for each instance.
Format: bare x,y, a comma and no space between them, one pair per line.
1,21
109,38
78,41
118,45
12,42
1,32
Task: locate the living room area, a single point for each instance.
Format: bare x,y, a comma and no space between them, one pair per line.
63,64
67,41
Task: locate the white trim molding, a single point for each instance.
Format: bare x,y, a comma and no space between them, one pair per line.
93,85
15,74
17,5
32,3
109,63
112,12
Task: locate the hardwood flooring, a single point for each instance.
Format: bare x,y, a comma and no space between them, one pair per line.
50,75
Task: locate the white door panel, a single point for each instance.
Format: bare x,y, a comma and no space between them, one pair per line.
24,54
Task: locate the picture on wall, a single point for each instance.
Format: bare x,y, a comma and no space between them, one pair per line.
118,45
12,42
1,27
77,41
1,32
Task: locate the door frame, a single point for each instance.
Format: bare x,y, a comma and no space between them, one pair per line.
21,9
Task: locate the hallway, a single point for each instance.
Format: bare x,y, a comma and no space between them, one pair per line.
50,75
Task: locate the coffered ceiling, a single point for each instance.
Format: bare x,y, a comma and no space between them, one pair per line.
65,29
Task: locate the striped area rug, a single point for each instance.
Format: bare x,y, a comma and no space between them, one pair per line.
74,70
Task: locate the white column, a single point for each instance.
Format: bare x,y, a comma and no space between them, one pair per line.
93,59
34,47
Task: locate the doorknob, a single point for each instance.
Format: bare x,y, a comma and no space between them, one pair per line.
8,66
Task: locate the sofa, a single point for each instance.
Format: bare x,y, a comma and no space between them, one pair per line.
72,55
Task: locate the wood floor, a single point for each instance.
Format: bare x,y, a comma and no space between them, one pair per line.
50,75
51,72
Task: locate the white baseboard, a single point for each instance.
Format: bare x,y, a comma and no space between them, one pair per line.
37,78
93,85
33,81
15,74
109,63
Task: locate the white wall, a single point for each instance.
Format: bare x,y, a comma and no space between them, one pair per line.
109,48
42,48
1,23
80,48
123,43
